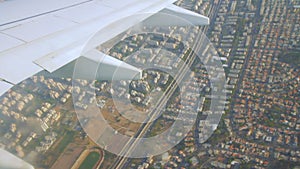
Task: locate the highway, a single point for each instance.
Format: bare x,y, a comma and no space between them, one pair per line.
243,70
160,104
120,162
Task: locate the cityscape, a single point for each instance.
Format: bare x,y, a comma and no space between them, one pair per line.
45,120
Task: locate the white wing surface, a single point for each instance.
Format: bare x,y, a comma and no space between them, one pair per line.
40,35
46,35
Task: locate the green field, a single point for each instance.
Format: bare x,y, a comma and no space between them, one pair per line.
67,139
90,161
292,58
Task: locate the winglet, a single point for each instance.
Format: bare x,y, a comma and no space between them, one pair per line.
162,18
192,17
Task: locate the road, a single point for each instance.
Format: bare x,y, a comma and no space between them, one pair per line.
161,103
243,70
159,107
119,163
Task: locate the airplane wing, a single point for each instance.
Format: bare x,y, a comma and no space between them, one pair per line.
46,35
10,161
40,35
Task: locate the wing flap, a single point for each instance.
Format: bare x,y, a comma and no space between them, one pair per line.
17,65
176,16
193,17
67,50
58,59
53,48
104,67
9,42
95,65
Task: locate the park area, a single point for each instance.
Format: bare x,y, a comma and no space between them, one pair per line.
90,161
292,58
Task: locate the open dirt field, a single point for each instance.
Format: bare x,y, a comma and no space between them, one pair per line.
71,153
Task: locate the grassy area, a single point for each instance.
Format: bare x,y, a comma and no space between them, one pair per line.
206,105
187,54
255,2
292,58
281,164
108,163
90,161
273,116
220,134
240,29
67,138
48,159
33,106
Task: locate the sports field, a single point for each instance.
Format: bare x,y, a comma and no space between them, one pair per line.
90,161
